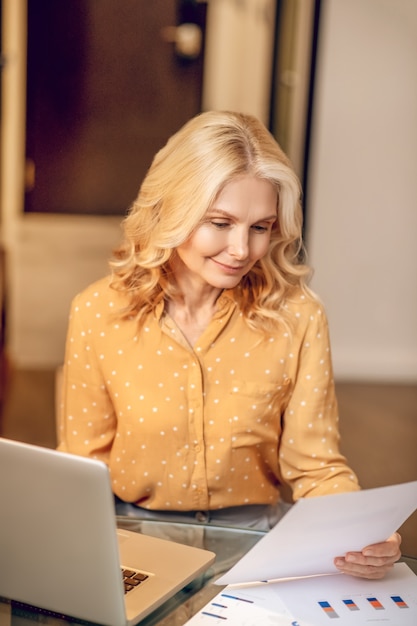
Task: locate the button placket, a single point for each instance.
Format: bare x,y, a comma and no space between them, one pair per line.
196,417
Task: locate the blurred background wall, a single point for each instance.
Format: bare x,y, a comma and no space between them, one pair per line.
361,183
362,218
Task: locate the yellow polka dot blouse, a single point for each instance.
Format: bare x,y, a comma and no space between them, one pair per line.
217,425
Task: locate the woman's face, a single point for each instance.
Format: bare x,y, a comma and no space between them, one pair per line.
233,236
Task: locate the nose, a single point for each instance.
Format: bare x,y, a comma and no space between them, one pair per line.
239,243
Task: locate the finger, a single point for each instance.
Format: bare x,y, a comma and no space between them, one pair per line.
362,571
359,558
356,564
374,561
363,568
390,547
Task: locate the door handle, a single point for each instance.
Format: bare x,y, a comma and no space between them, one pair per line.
187,39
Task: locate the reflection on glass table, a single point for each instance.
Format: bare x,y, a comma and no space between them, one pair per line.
229,544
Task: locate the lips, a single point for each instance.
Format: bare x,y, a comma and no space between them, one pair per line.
229,268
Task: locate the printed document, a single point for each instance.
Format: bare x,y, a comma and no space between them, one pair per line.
317,601
316,530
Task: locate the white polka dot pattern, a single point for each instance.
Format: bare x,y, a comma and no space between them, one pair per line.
200,428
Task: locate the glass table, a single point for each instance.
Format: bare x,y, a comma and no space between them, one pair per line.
229,544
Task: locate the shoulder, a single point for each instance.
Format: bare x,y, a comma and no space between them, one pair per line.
99,297
305,312
304,302
95,316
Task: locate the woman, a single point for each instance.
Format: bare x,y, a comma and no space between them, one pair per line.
200,370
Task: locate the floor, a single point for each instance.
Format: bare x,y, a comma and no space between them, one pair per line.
378,425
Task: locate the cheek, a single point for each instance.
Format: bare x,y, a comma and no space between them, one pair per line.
206,241
260,246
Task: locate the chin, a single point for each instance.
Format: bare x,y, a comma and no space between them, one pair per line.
226,284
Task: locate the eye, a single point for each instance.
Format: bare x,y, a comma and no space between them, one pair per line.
219,224
259,228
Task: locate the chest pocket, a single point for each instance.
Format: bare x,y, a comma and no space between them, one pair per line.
256,412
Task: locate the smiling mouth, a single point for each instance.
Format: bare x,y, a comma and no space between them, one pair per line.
229,268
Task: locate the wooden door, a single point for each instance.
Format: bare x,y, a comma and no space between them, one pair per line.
105,89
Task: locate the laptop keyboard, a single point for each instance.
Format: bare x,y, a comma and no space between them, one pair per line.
132,578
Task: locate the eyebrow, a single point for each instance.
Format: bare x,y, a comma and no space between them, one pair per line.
226,214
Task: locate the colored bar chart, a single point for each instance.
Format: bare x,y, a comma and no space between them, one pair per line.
399,602
376,604
334,609
328,609
351,605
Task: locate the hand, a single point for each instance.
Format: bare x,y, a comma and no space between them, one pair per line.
373,561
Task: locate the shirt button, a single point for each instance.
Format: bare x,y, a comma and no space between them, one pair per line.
201,516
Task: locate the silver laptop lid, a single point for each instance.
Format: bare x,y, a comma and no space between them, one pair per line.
58,541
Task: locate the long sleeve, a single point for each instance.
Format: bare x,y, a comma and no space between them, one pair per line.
309,456
88,422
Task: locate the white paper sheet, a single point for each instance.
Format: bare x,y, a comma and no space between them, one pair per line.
315,530
316,601
245,607
348,601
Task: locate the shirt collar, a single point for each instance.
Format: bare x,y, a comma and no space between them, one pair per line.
224,301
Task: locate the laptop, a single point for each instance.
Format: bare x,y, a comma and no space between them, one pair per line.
60,549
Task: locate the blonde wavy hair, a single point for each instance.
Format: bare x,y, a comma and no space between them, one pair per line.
184,179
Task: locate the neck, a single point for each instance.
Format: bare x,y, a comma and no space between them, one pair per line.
192,313
195,295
